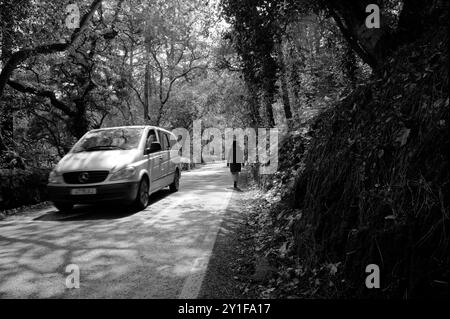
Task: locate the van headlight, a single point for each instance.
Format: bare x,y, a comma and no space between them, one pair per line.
125,173
55,178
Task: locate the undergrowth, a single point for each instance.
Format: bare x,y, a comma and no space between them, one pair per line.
366,183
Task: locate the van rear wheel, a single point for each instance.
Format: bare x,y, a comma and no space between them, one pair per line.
63,207
175,186
142,195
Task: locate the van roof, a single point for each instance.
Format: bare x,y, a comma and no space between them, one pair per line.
130,126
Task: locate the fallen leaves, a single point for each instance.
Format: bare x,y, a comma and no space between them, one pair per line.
272,269
402,136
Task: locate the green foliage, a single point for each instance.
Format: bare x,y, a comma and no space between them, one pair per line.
373,189
368,181
289,51
253,37
22,187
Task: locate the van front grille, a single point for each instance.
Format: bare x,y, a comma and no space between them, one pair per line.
86,177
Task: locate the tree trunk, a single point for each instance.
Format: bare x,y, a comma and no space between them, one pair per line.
268,101
146,91
269,71
130,90
253,102
350,66
284,86
159,116
6,129
80,124
6,119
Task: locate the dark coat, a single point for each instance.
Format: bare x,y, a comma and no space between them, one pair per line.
234,158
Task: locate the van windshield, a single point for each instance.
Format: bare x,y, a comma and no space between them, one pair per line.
109,139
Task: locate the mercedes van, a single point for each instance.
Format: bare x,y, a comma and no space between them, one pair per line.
118,164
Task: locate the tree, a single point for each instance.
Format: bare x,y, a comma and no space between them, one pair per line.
67,93
167,43
174,46
25,53
73,82
253,37
402,22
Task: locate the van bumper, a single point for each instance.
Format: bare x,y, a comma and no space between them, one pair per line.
123,192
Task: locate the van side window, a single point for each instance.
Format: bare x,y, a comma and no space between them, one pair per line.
164,142
161,139
151,138
167,141
173,140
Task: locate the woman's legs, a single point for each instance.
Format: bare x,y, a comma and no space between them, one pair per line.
235,178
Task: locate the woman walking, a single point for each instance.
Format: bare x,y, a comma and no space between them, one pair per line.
235,159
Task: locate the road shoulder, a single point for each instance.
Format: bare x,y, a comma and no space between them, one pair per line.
230,264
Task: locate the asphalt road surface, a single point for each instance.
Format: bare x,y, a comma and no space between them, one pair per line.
161,252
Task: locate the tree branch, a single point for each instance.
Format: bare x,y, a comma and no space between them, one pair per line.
42,93
23,54
352,40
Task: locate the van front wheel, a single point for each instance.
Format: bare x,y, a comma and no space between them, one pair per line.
142,195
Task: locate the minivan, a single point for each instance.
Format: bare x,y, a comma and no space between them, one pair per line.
119,164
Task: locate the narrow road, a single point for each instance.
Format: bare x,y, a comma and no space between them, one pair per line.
161,252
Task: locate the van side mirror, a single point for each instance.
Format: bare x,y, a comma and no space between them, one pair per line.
154,147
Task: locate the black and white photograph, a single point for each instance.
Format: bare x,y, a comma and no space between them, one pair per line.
225,157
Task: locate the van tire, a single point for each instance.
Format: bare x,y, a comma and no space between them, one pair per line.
142,197
175,186
63,207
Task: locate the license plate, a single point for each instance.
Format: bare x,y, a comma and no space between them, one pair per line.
83,191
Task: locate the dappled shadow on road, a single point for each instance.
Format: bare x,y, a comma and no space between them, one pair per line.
120,253
110,254
98,212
